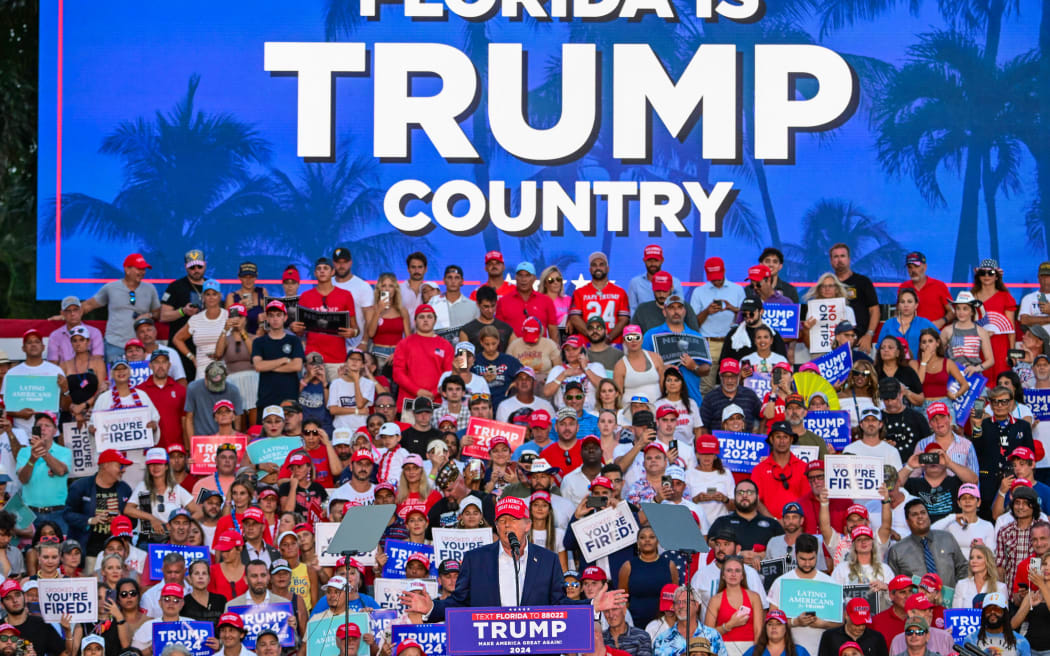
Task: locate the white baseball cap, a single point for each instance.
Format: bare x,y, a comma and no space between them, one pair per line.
389,428
342,436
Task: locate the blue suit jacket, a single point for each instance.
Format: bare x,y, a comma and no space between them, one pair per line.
478,583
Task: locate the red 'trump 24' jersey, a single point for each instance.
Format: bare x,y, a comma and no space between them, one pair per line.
610,304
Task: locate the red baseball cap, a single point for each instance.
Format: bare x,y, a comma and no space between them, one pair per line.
540,419
419,558
594,573
493,255
255,514
348,631
707,445
665,410
850,645
303,526
655,444
540,495
858,611
1022,452
291,273
715,268
229,539
173,590
9,586
531,330
667,597
277,305
29,333
653,252
222,403
931,582
136,260
424,307
1020,482
729,366
814,465
662,282
937,408
363,454
409,644
410,507
758,272
112,455
176,448
931,447
857,509
497,440
134,341
513,506
900,582
861,532
298,458
120,526
232,619
575,341
601,481
590,438
918,601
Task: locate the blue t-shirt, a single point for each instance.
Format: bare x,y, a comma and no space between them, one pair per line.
44,490
692,381
275,387
507,367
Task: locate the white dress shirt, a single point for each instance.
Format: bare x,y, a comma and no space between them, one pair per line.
507,589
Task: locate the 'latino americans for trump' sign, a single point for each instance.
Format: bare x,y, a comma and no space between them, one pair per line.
528,630
741,452
76,597
853,477
606,531
122,429
454,542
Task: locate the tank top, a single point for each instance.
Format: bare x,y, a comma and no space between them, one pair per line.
935,386
82,386
965,347
389,331
238,356
251,319
641,383
301,583
745,633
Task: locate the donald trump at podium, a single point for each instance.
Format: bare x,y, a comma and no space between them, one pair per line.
487,576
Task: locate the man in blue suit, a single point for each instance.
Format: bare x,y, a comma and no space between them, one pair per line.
486,577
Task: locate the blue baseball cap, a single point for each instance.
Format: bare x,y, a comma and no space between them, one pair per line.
211,285
792,507
526,266
159,353
119,362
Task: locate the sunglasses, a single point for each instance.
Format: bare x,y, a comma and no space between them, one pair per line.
483,397
131,296
171,600
1000,401
632,338
784,481
385,405
317,432
225,447
574,397
986,272
568,458
861,372
9,638
572,585
128,593
914,632
50,539
553,279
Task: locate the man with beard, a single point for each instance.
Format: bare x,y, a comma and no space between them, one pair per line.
257,574
904,426
146,332
45,640
860,294
715,305
253,527
723,543
575,484
728,391
208,514
749,527
454,489
345,279
783,546
182,299
676,320
642,287
672,640
327,297
203,394
359,488
600,350
780,476
600,297
495,270
996,635
795,416
806,629
740,339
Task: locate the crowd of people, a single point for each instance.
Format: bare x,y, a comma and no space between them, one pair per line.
382,405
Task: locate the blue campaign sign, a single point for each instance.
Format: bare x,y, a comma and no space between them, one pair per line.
158,551
191,635
760,383
432,637
834,366
38,393
1039,402
740,452
397,553
783,318
258,618
962,405
517,630
380,619
832,425
961,622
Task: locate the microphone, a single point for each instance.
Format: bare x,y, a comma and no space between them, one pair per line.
515,545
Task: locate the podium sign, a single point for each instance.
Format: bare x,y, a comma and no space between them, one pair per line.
520,630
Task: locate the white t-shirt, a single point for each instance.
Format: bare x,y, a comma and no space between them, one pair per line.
699,482
688,422
686,454
176,497
900,524
512,405
344,491
806,636
205,333
589,391
889,454
1030,305
363,298
982,529
105,402
540,538
847,403
966,590
342,393
476,384
841,574
760,364
705,583
45,368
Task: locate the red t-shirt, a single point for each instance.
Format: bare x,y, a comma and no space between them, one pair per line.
771,480
888,624
610,304
513,309
932,298
504,289
331,347
170,402
322,474
555,455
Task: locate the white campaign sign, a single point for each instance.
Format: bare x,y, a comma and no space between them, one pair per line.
454,542
806,454
76,597
388,590
853,477
325,531
80,442
828,312
606,532
122,429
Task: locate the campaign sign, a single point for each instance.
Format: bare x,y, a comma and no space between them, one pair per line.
832,425
191,635
865,592
671,346
158,551
454,542
82,445
961,622
321,638
203,447
38,393
740,452
432,637
806,454
823,598
853,477
606,531
23,515
122,429
263,617
1039,401
772,569
273,449
380,620
388,591
828,312
140,372
323,321
323,534
783,318
76,597
963,405
397,553
760,382
483,430
835,366
520,630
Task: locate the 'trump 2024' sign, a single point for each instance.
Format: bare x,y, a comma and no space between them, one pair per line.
531,630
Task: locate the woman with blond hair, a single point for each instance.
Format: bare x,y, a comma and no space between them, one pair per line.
983,578
414,485
552,284
387,321
863,563
826,287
